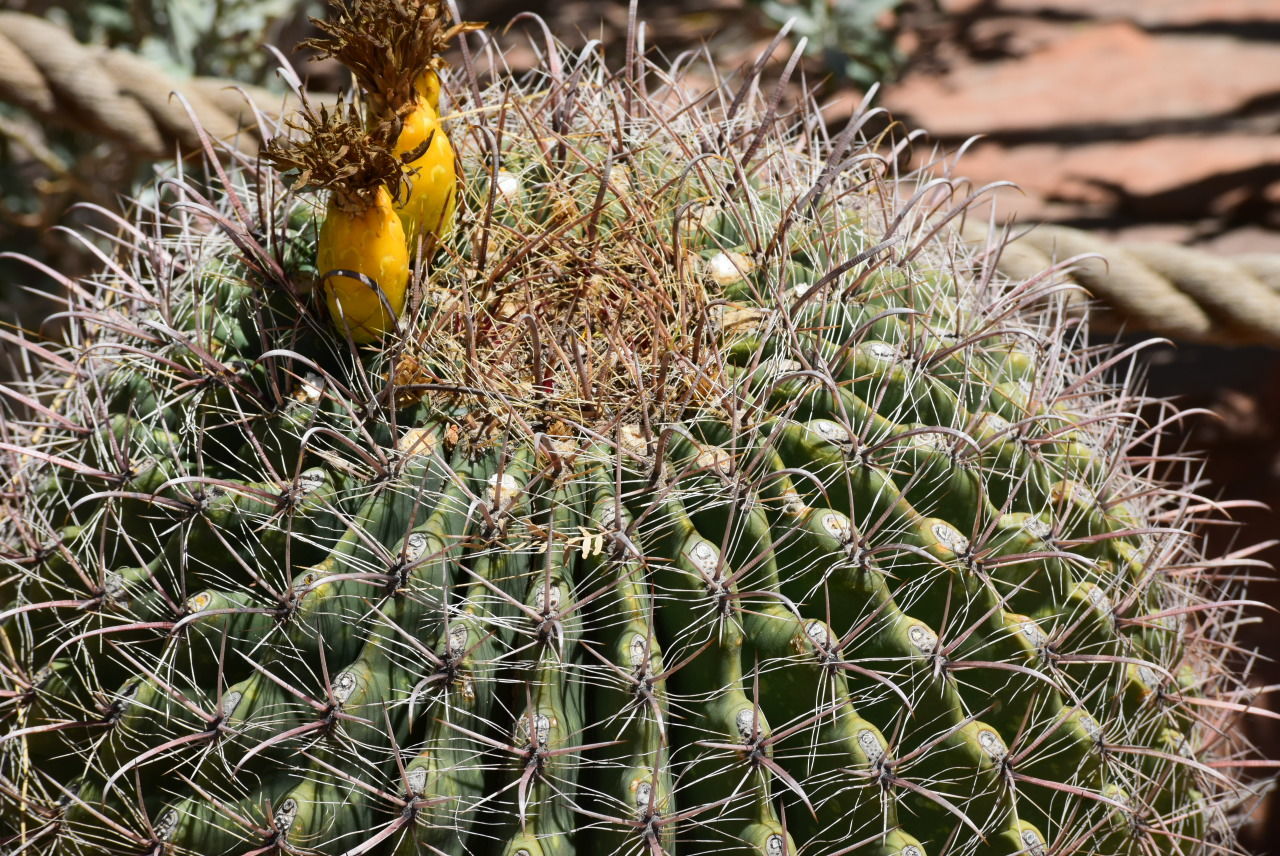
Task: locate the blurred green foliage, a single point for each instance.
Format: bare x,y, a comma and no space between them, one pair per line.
859,40
46,170
217,38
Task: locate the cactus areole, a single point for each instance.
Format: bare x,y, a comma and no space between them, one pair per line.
695,493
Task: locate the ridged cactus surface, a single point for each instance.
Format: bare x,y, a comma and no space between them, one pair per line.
707,499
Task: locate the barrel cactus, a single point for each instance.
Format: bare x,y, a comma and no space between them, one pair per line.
700,495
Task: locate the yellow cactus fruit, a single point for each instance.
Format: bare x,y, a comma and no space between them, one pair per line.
393,48
427,85
431,179
368,241
362,255
391,169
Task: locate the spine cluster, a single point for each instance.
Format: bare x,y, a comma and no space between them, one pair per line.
709,499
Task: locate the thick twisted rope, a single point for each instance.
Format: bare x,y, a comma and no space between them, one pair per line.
1173,290
1164,288
117,95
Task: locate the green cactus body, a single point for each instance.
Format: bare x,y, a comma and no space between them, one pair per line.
677,519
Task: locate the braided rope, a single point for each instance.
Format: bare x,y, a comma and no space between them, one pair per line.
1169,289
1172,290
120,96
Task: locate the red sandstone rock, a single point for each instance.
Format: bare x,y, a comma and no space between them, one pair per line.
1148,13
1112,74
1098,173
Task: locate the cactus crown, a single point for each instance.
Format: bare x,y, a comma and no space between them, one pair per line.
573,319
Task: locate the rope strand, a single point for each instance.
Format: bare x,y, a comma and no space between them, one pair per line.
1177,291
118,95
